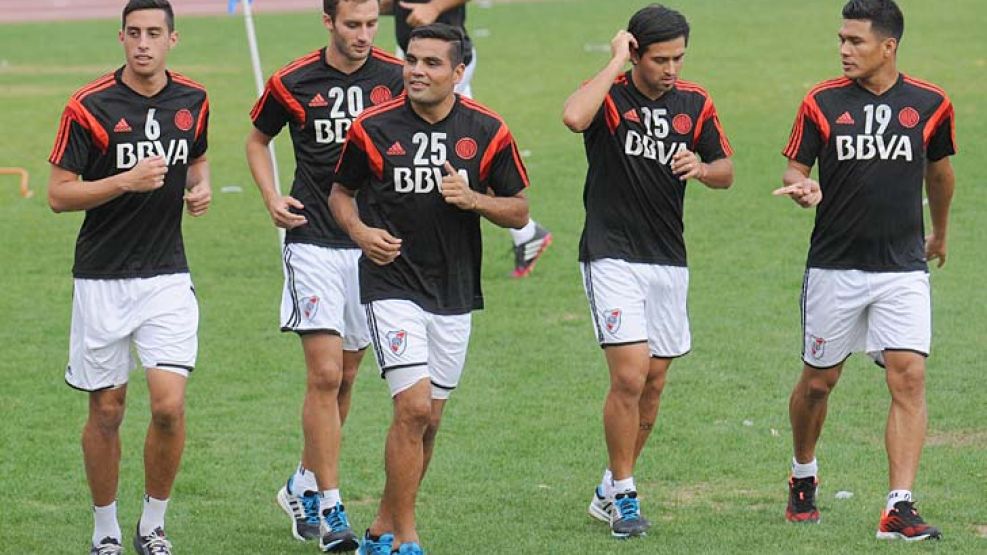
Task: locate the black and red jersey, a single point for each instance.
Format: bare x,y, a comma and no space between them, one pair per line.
106,128
320,103
872,152
456,17
396,159
633,200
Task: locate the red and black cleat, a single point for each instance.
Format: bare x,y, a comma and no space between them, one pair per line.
904,523
802,500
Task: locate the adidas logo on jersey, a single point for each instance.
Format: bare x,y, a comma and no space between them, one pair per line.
122,126
318,101
396,150
631,115
845,119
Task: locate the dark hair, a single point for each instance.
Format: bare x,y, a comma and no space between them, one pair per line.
884,15
136,5
330,7
453,35
656,23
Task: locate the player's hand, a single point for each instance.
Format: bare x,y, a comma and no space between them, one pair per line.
420,14
281,214
197,199
147,175
455,191
935,249
687,165
805,193
621,45
380,246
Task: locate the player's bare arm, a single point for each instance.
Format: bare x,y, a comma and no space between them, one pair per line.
715,175
66,193
377,244
198,193
279,207
581,107
939,184
799,186
503,211
428,12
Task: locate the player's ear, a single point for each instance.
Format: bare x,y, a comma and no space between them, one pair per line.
458,72
173,39
326,21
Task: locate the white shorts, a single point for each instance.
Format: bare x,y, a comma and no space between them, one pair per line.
632,303
850,311
411,345
464,87
322,293
159,315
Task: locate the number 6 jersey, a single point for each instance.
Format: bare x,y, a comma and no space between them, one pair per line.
872,152
106,128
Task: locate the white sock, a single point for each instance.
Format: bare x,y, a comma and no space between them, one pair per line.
105,524
524,234
153,515
606,484
624,486
328,499
805,470
898,495
302,481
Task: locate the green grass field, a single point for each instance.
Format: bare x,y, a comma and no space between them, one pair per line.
522,444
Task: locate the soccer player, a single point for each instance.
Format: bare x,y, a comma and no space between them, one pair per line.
531,241
318,96
425,162
647,133
877,134
130,152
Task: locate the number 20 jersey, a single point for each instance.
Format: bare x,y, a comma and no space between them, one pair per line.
106,128
319,103
872,152
633,201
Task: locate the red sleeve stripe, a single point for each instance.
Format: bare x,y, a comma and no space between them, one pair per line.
386,56
358,136
611,114
75,111
943,116
259,105
284,97
501,139
391,104
200,125
810,109
183,80
709,114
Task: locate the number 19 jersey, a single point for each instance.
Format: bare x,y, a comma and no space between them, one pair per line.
872,152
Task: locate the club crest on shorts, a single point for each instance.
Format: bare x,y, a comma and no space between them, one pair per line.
309,306
612,319
817,346
397,341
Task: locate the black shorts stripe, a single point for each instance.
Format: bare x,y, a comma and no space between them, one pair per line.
588,282
374,337
802,304
400,366
296,316
440,386
98,389
174,365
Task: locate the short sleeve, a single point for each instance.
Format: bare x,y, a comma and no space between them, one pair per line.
711,142
806,138
201,143
268,114
501,168
75,142
942,133
355,162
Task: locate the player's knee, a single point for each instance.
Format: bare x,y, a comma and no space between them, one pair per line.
106,415
907,382
167,415
414,414
627,386
817,389
326,378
